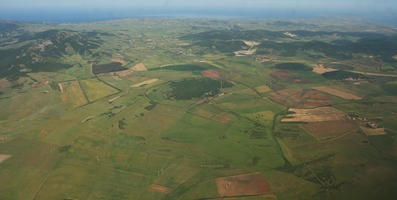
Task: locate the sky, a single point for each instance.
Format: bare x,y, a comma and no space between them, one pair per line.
307,4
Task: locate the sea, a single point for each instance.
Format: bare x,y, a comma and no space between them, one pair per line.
86,14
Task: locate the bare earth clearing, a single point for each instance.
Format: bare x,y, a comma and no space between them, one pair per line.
147,82
137,68
248,184
251,43
250,51
245,52
4,157
321,69
338,93
321,114
290,34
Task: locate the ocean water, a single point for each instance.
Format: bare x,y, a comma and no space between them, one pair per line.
100,14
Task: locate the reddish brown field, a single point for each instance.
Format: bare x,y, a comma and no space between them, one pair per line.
159,188
286,76
325,130
297,98
211,74
247,184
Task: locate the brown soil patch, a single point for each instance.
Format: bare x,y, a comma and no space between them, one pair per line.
211,74
286,76
2,138
298,98
159,188
321,114
248,184
337,93
321,69
263,89
331,129
4,157
373,131
374,74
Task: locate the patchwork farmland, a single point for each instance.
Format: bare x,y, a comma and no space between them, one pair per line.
189,109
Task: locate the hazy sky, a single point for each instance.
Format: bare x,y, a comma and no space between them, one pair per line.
318,4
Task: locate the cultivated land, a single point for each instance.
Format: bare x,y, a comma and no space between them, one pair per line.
314,115
198,109
337,93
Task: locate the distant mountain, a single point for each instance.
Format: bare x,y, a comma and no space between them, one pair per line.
7,27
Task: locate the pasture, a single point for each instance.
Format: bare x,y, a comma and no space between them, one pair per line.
96,89
72,93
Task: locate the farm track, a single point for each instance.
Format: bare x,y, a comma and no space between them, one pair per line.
374,74
84,93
